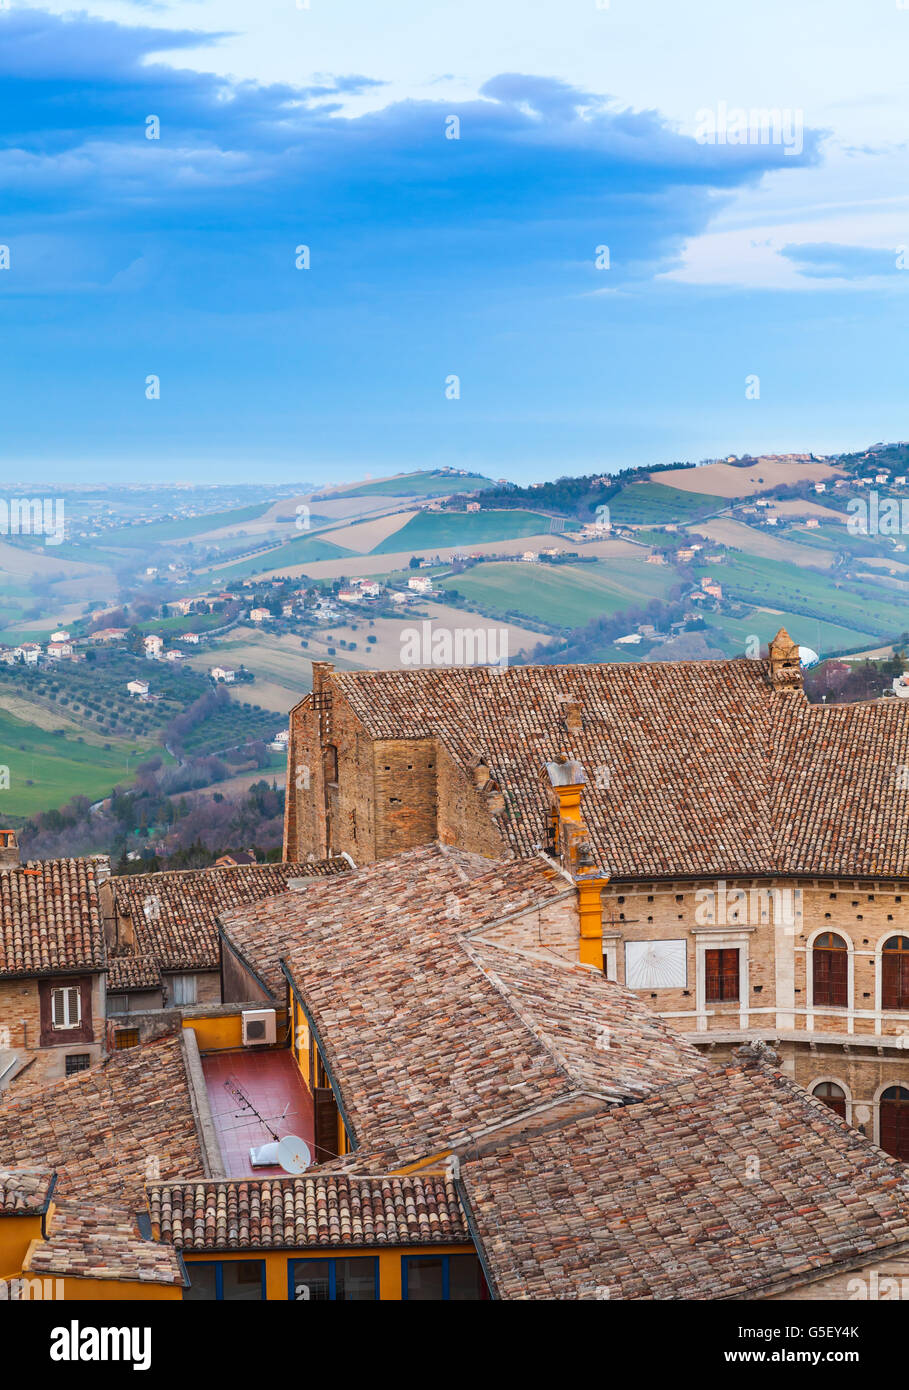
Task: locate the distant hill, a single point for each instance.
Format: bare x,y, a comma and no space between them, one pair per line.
436,483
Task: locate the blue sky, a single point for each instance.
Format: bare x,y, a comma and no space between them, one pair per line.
580,126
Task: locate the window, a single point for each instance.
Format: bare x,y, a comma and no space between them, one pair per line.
76,1062
225,1281
895,973
184,989
833,1095
66,1007
354,1280
442,1278
126,1037
721,970
895,1122
830,967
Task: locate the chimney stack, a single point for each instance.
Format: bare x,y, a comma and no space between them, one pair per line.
566,780
9,849
785,665
573,717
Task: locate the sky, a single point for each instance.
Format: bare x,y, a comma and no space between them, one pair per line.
540,237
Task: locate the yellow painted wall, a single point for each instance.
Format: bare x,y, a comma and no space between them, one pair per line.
216,1034
221,1033
16,1235
276,1262
300,1041
118,1291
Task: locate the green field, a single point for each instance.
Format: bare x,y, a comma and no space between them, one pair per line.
860,607
563,595
825,638
656,504
412,485
45,770
431,530
299,551
160,532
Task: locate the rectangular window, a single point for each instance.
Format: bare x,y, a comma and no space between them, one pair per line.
184,989
443,1278
354,1280
225,1281
721,970
127,1037
66,1007
76,1062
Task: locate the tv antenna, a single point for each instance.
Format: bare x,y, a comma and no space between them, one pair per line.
290,1153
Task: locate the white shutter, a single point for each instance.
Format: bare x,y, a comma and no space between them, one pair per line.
74,1007
66,1007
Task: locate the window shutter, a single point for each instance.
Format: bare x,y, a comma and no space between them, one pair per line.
58,1004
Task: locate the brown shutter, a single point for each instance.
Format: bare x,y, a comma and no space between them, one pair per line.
895,1128
891,982
831,976
721,968
326,1124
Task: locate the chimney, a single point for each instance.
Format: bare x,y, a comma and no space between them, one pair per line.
572,847
785,666
572,716
9,849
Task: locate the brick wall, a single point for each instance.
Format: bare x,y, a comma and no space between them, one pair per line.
552,929
20,1013
777,951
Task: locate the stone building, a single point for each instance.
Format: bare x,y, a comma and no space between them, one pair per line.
52,963
749,851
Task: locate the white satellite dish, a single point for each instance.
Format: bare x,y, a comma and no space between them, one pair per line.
293,1154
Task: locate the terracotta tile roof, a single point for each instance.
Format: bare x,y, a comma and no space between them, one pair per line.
431,1037
174,913
100,1128
25,1191
50,917
589,1025
321,1209
427,872
132,972
101,1242
720,1187
711,770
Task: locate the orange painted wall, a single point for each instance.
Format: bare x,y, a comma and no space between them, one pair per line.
16,1235
390,1276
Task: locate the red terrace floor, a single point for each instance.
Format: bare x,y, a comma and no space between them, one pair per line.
270,1080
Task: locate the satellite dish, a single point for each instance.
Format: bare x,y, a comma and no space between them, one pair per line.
293,1154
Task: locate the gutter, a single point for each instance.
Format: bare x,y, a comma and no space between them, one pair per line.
469,1217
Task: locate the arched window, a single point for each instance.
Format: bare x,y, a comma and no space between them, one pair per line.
895,973
831,1095
895,1122
830,966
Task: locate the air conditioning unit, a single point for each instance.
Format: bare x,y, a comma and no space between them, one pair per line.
260,1026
